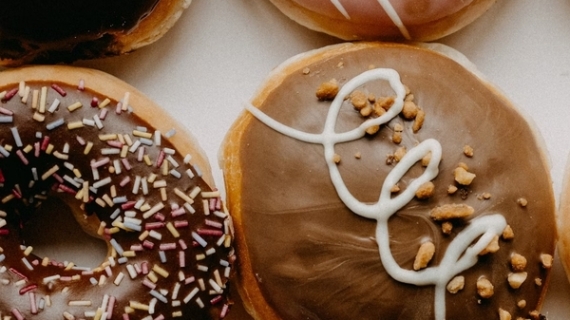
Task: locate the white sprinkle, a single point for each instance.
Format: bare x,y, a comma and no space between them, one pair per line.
116,246
132,272
154,234
66,148
98,122
95,173
71,181
35,173
53,106
159,296
54,124
132,226
199,239
117,166
172,161
144,184
16,136
109,151
101,183
189,173
135,146
119,200
215,286
191,295
146,141
88,122
137,184
119,278
162,256
4,152
6,119
93,281
157,138
169,151
27,264
170,133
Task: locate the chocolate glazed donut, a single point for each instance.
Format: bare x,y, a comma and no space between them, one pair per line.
132,177
385,181
66,30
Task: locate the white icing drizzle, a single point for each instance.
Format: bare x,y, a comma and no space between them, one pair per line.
388,8
462,252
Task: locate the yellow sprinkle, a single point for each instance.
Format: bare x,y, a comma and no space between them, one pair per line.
108,200
177,314
206,207
138,306
77,173
26,95
101,229
104,103
113,190
28,148
79,194
100,202
156,268
145,207
142,134
69,266
211,194
113,230
98,314
172,230
51,171
35,95
163,195
126,101
143,235
76,277
38,117
124,151
151,178
43,98
7,198
74,106
75,125
195,192
82,303
45,261
228,241
200,256
28,251
21,87
50,148
146,159
86,193
152,276
60,155
183,196
88,147
109,136
129,254
3,94
128,140
164,168
68,316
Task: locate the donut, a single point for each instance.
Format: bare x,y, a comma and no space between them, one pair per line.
65,31
130,176
564,221
423,20
388,181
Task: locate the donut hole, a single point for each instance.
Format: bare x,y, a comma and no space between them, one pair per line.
54,233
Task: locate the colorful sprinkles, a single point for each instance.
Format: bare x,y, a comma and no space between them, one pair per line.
169,236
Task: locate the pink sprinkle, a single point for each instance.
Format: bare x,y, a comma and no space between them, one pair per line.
108,271
22,157
137,247
28,288
57,177
18,273
160,317
140,155
115,144
149,284
138,268
4,232
81,85
145,267
10,94
6,111
99,163
17,193
128,205
167,246
36,149
2,179
159,216
178,212
80,140
224,311
218,203
17,314
125,316
182,259
94,102
58,89
45,143
123,183
65,279
209,232
103,114
160,159
87,273
119,108
182,244
213,223
212,204
147,244
153,225
110,306
180,224
35,262
189,280
67,189
33,305
216,299
126,164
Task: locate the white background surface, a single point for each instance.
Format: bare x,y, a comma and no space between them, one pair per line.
220,51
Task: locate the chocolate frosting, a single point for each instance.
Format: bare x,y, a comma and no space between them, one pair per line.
22,202
67,29
315,259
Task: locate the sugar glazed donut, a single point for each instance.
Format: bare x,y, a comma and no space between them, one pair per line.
67,30
564,219
379,181
131,176
420,20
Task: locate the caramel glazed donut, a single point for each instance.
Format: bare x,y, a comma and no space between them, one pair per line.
132,177
50,31
419,20
381,181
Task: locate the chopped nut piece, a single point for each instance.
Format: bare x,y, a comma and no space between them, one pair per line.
306,71
492,247
463,177
409,110
409,97
456,284
384,103
397,136
518,262
327,90
504,315
534,314
366,111
373,129
485,288
468,151
538,281
546,260
508,233
390,159
451,211
400,153
484,196
426,159
521,304
371,98
463,165
522,202
451,189
516,279
336,158
395,188
358,99
408,91
358,155
446,227
425,191
419,121
378,110
424,255
340,64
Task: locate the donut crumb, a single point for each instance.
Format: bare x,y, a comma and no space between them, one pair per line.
446,227
546,260
327,90
468,151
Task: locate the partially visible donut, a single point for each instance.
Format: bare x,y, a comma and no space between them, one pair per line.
339,215
66,30
131,176
564,221
419,20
